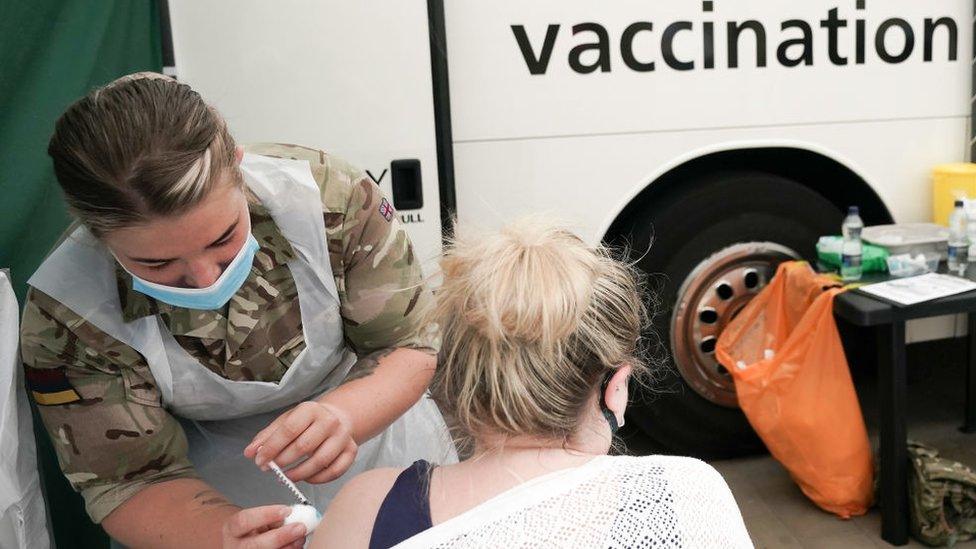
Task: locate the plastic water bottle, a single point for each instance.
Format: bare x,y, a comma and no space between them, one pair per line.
958,241
970,229
850,252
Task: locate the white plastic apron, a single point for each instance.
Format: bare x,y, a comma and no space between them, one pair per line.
23,520
219,416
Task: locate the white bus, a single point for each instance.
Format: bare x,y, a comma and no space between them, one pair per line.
721,136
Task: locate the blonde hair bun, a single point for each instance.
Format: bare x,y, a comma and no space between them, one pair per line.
528,282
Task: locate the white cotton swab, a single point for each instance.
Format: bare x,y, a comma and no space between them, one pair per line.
304,514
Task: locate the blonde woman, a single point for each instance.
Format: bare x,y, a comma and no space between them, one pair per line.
539,342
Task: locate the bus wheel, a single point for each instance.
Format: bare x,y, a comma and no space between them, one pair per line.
708,249
711,296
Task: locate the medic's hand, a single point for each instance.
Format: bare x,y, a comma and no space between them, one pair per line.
261,528
311,429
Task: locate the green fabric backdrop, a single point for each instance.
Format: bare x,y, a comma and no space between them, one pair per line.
51,53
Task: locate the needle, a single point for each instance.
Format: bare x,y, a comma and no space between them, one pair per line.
288,483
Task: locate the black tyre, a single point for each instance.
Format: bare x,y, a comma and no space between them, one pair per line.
709,249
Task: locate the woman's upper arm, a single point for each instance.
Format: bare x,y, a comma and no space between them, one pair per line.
349,520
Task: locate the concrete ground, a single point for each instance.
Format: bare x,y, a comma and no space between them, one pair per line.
777,514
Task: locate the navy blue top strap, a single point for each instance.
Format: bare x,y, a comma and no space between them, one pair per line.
405,511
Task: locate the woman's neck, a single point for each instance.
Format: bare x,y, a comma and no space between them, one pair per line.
501,462
593,438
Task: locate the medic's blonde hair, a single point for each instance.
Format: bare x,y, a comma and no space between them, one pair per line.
143,146
531,319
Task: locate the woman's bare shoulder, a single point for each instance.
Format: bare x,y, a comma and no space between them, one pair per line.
348,522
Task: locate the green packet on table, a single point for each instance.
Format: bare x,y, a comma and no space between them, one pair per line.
872,257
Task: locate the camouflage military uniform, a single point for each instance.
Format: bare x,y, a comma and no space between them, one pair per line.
942,498
115,438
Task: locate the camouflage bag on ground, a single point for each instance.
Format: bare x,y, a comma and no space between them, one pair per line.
942,496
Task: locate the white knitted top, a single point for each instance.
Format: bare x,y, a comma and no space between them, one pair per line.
611,501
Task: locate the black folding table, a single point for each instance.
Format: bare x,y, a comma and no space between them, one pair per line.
862,309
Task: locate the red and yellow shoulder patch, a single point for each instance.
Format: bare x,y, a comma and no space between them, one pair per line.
50,386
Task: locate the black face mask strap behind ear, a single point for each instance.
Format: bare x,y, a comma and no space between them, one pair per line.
610,416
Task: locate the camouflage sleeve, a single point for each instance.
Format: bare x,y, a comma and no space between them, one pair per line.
100,406
381,286
385,290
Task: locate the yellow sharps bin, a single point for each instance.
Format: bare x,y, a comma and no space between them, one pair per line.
949,183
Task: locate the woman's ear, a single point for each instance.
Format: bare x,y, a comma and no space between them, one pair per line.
238,154
616,394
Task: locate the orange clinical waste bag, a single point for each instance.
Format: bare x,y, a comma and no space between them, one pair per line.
793,384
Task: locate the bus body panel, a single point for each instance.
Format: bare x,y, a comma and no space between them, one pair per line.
495,46
352,78
588,180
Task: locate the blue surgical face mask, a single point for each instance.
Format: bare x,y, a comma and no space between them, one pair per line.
212,297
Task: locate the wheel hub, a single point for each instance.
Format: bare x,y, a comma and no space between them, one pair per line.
709,298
